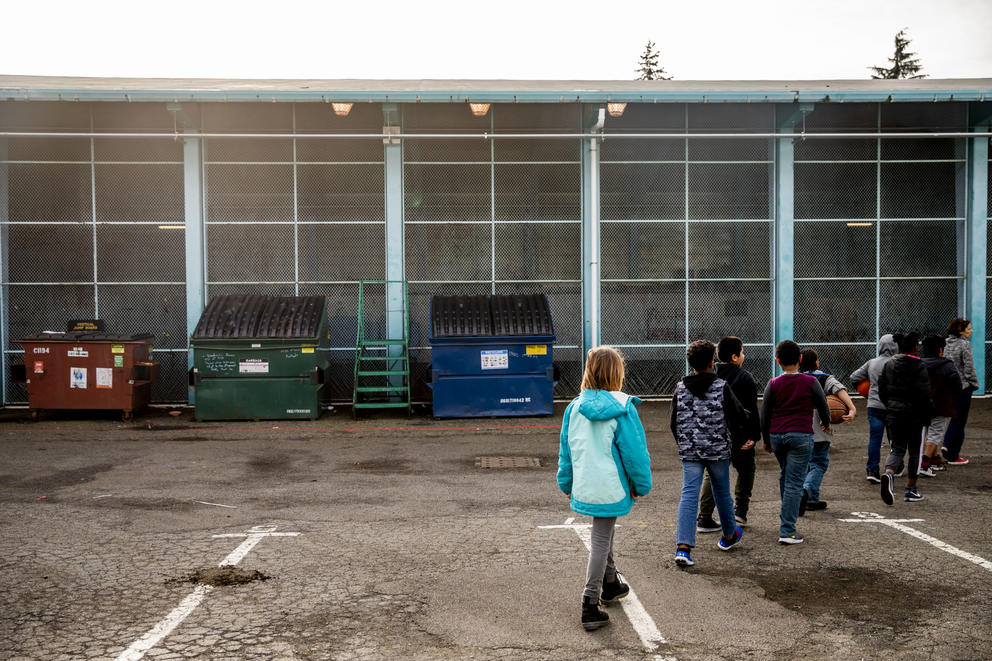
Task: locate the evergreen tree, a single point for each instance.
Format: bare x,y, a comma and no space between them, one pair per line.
904,64
648,68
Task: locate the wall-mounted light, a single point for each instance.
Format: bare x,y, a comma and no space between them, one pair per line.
479,109
172,227
860,224
616,109
341,108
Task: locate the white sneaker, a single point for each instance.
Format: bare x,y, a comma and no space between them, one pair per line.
928,472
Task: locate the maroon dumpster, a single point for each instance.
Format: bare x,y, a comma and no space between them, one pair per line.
86,370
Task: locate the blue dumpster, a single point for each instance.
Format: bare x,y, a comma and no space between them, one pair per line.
492,356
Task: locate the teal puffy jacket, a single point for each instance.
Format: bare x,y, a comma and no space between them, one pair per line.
603,462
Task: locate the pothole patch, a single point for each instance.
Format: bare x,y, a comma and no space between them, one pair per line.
507,462
220,576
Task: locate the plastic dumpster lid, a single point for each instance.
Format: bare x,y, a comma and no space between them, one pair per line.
251,316
521,315
86,336
461,316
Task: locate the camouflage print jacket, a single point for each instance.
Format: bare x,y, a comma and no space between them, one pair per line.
705,415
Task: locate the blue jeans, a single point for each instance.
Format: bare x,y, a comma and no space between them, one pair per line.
792,451
954,438
876,427
692,478
818,463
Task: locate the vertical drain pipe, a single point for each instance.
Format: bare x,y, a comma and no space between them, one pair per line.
592,242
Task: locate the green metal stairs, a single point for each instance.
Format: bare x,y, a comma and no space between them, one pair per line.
382,365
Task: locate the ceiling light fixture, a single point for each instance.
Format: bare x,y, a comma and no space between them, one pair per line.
341,108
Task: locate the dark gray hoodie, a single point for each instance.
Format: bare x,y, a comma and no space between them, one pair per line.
873,369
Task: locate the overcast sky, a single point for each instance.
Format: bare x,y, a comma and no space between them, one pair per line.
514,39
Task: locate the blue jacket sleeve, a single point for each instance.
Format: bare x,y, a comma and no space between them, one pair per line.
565,456
633,447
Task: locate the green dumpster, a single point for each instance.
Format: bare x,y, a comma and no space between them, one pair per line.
260,358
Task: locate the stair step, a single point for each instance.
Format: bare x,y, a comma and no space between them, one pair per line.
383,373
366,357
382,388
380,405
373,343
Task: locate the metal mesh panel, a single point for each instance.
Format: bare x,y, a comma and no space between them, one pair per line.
342,252
737,118
48,149
342,311
537,150
248,118
45,116
918,248
135,149
920,190
253,289
341,192
171,385
643,313
247,150
420,305
643,191
338,150
729,190
140,253
50,192
538,192
639,251
461,151
156,309
447,192
258,193
250,253
139,193
730,308
847,149
538,251
448,252
653,371
729,250
569,364
835,118
835,311
923,305
37,308
50,253
564,299
759,361
841,360
835,190
834,249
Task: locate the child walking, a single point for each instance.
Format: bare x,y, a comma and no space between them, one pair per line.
730,353
603,464
945,384
787,427
870,372
809,363
705,415
904,388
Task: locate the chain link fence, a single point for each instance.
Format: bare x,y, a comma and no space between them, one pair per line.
876,230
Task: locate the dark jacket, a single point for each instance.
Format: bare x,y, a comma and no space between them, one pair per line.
904,388
945,382
705,416
745,388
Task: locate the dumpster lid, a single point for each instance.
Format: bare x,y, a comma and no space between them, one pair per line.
514,315
249,316
86,336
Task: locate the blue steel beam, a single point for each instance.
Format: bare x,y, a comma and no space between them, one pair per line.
591,273
976,282
395,251
196,263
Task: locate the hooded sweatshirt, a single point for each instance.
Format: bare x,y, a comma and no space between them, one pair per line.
945,383
958,351
706,415
603,461
873,369
904,388
745,388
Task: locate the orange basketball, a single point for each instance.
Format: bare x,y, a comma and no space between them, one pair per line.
837,408
864,387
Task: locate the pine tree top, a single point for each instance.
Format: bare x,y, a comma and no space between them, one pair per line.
904,63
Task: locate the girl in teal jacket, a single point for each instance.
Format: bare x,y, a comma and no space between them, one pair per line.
603,464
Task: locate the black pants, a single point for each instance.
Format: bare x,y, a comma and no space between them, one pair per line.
954,438
905,434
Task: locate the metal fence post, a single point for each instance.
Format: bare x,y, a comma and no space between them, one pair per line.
195,238
591,274
395,249
976,282
4,277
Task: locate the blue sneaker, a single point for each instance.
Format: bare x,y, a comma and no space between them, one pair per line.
683,558
727,543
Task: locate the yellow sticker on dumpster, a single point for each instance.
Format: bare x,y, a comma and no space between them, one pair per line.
116,348
537,349
307,350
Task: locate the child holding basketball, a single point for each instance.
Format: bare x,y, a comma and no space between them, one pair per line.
869,373
603,465
809,363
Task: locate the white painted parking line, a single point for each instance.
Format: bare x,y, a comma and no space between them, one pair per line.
165,626
872,517
639,618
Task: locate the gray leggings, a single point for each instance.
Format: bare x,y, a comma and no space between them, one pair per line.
600,556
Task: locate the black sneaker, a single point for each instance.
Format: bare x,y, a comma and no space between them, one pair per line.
615,590
707,524
740,517
802,503
873,476
795,538
913,495
592,617
816,505
887,481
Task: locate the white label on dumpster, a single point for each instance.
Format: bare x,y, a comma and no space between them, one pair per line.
253,366
495,359
78,352
77,377
104,377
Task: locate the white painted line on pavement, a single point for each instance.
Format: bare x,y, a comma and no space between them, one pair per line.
872,517
203,502
165,626
645,627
